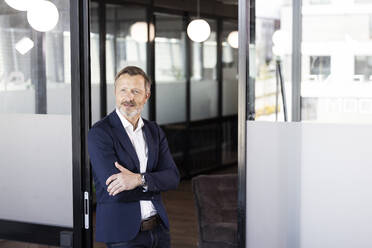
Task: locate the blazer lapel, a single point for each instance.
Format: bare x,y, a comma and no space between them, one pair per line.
150,147
123,138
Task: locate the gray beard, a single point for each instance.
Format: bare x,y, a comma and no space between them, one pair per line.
130,114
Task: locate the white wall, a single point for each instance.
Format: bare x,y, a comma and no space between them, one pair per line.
309,185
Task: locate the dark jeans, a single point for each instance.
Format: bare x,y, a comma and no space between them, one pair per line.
156,238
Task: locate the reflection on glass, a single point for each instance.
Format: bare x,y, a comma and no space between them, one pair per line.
230,60
121,48
273,30
203,77
170,70
35,114
336,62
35,66
94,63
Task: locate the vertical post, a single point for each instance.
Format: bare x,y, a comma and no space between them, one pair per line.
220,91
81,115
244,37
186,21
296,59
102,57
39,73
150,47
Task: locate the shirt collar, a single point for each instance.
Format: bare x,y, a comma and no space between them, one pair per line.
127,124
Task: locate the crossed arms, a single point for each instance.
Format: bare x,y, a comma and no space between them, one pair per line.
121,184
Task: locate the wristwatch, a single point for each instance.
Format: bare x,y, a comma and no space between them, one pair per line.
143,180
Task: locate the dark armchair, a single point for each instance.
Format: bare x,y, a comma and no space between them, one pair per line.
216,203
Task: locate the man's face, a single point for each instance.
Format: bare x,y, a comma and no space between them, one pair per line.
131,94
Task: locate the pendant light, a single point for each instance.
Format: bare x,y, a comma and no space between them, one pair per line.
21,5
138,31
43,16
233,39
198,30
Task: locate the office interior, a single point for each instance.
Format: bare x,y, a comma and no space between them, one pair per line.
279,94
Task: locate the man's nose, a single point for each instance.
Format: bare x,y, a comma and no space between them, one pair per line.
129,96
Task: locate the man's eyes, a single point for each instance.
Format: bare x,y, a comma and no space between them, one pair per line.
135,92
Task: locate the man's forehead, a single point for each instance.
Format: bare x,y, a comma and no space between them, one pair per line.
127,79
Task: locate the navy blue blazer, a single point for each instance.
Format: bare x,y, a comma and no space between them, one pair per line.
118,217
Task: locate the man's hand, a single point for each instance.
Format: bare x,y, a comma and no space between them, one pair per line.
125,180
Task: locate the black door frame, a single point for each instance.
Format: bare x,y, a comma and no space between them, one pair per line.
81,121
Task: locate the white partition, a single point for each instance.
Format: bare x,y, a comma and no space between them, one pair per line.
309,185
36,169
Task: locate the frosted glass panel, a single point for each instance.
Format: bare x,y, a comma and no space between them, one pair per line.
309,185
36,169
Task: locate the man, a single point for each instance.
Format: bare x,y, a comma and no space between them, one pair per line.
131,165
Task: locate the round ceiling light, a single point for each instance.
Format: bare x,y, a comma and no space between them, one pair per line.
42,16
138,31
198,30
233,39
21,5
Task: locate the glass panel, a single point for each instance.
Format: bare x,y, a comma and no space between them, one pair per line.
273,51
94,62
42,80
203,77
170,70
125,45
308,184
229,92
35,109
229,70
203,132
336,62
171,83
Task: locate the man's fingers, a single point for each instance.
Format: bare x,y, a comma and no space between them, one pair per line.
110,179
112,184
115,189
120,167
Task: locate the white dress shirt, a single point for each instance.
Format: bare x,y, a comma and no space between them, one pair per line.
137,138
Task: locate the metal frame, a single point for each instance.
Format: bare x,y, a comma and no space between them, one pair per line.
81,118
34,233
39,72
220,89
150,18
102,57
186,150
244,37
296,59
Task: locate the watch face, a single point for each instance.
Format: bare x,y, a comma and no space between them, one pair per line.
143,180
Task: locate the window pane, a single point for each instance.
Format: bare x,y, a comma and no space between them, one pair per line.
35,66
273,53
229,71
229,93
94,62
336,63
170,70
203,77
35,114
126,38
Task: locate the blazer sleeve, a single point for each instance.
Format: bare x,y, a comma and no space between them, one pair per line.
165,175
102,157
